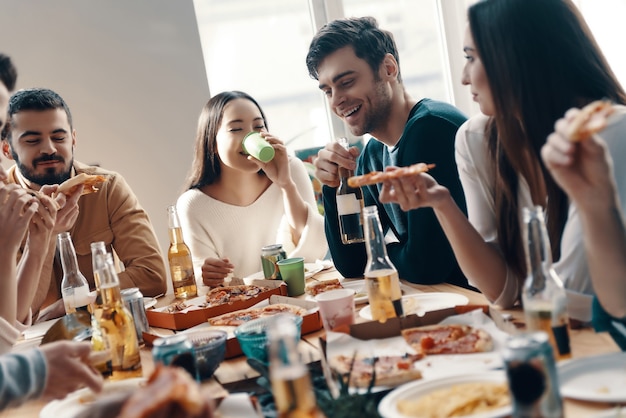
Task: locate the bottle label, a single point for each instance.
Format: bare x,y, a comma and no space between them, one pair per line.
348,204
75,297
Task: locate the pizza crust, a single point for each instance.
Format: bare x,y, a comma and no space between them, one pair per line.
375,177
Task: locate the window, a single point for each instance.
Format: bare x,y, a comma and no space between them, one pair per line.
260,47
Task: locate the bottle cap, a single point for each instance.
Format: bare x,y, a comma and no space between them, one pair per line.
255,145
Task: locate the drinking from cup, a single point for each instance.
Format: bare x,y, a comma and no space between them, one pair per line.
255,145
336,307
292,273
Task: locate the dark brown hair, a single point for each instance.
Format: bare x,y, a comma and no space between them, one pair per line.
205,168
370,43
540,59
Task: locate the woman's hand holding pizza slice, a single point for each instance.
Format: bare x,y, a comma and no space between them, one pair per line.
578,159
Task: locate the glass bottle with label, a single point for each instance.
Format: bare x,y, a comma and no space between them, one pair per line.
98,339
381,276
179,257
543,296
74,286
117,325
289,375
349,205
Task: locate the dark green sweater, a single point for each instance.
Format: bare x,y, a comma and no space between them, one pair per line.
423,254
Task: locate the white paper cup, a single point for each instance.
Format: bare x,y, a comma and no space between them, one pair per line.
336,308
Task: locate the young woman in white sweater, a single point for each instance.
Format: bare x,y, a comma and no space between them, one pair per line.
235,204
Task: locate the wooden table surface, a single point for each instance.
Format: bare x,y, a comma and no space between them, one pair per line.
584,342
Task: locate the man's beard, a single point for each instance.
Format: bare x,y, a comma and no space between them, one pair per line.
379,111
49,176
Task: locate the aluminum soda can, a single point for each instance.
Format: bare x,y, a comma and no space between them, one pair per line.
532,377
175,350
133,300
270,255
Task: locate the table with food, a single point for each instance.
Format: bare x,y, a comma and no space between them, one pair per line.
449,353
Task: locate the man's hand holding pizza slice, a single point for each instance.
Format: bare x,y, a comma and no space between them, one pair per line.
412,187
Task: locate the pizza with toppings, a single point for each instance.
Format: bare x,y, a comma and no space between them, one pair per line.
590,120
322,286
448,339
231,294
375,177
239,317
390,370
90,184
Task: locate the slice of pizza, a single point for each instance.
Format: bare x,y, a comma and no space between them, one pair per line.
90,184
375,177
590,120
390,370
322,286
448,339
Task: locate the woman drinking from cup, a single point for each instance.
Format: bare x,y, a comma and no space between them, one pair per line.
235,204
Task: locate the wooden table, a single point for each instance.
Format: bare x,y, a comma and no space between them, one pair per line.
584,342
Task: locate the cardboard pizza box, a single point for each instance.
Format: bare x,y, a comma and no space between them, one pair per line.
183,320
311,322
392,327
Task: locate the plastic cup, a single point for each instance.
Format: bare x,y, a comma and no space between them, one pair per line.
255,145
292,273
336,307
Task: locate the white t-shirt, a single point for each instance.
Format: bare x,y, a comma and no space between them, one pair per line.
477,173
215,229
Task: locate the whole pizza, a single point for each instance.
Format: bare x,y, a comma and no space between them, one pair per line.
242,316
448,339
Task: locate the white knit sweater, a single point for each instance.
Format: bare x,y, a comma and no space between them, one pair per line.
212,228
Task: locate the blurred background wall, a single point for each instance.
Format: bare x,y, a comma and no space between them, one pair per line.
133,75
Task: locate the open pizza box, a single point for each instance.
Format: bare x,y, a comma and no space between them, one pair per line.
373,338
194,316
311,322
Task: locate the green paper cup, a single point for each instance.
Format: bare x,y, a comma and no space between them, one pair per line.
292,273
255,145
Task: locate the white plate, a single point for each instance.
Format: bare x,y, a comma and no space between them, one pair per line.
149,302
413,390
420,303
360,291
596,378
309,270
77,402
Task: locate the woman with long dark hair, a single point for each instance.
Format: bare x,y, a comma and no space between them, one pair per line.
236,204
528,62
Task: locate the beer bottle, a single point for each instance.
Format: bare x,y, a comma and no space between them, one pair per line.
179,257
543,295
349,206
289,375
381,277
74,286
98,338
117,324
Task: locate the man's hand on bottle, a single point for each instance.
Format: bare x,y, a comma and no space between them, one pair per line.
330,158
